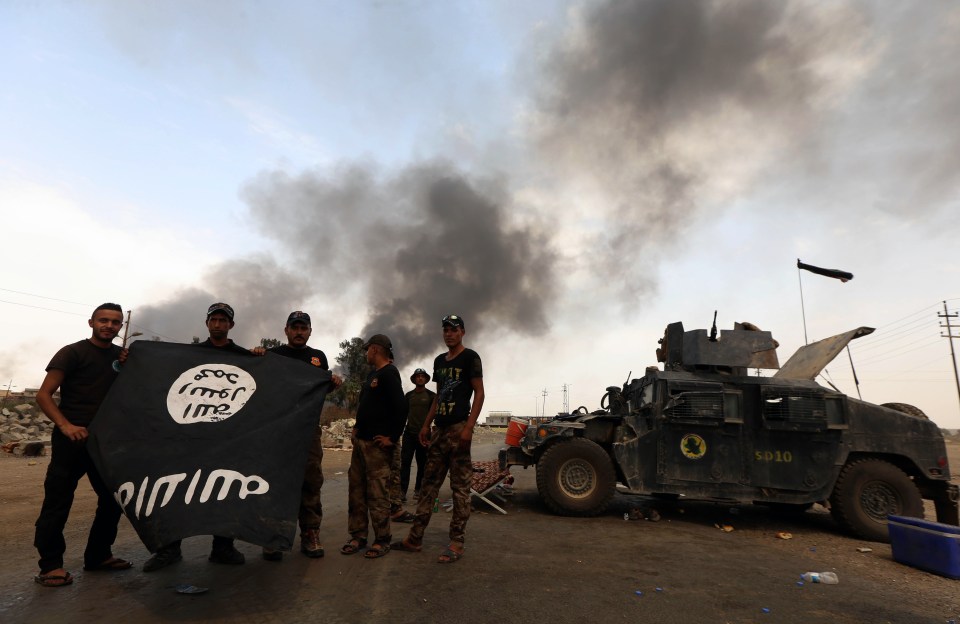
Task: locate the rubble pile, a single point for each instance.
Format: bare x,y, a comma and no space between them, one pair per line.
337,434
24,427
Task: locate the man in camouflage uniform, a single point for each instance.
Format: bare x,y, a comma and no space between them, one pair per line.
381,415
458,374
396,495
298,331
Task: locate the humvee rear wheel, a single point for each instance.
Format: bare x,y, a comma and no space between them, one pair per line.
869,490
905,408
576,478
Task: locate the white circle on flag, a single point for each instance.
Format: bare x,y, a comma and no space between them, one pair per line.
209,393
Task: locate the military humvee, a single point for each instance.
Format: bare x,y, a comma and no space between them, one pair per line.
705,428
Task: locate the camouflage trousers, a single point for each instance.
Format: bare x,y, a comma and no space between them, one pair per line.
445,455
369,501
396,496
311,509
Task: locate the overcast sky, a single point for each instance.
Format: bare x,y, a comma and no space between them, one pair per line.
569,177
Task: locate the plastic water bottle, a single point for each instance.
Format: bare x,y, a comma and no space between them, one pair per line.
826,578
436,505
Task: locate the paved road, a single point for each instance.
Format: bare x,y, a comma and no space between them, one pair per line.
526,566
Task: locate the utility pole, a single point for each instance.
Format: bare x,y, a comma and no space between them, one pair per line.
566,399
953,358
543,411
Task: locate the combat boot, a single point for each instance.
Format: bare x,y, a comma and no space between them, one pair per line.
310,543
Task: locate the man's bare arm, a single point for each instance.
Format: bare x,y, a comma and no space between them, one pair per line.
49,407
478,395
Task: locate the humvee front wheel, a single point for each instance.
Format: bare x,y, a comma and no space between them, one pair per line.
576,478
869,490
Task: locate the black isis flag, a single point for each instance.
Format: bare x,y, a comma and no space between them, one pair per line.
198,441
843,276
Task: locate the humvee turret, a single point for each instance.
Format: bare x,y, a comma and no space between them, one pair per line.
704,428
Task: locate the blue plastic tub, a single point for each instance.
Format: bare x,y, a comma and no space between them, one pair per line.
927,545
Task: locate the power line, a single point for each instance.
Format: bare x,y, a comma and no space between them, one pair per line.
880,357
42,297
27,305
146,330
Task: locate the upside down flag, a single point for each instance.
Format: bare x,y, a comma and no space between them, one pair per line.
197,441
843,276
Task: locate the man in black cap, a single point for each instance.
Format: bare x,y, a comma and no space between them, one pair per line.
419,401
219,323
458,374
298,331
380,417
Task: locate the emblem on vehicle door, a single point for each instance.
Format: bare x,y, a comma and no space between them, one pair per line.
693,446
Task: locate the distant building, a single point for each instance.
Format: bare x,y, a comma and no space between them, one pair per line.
498,419
502,419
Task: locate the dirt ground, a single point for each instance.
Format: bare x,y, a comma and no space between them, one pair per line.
528,565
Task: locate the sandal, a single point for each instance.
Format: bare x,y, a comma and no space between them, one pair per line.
404,517
113,564
450,556
54,580
353,546
376,551
403,546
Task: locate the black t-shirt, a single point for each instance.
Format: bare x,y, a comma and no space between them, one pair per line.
88,373
382,409
312,356
454,387
231,346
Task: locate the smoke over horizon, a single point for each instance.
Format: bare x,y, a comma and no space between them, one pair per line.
671,108
427,242
644,118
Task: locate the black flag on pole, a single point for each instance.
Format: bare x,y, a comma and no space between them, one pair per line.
843,276
203,442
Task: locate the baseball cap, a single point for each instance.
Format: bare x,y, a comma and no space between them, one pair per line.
419,371
383,341
298,317
220,307
454,321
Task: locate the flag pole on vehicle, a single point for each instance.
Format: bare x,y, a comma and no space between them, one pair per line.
843,276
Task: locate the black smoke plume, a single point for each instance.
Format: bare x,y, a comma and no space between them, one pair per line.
426,242
664,106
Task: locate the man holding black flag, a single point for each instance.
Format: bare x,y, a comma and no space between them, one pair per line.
298,331
219,323
84,372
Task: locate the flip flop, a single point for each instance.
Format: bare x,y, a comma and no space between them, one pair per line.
113,564
353,546
404,517
53,580
376,551
451,555
405,547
